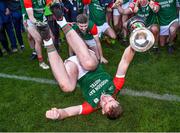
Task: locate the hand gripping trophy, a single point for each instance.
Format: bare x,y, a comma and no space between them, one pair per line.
141,39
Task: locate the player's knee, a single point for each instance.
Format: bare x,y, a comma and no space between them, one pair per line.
113,36
66,87
155,29
90,64
172,30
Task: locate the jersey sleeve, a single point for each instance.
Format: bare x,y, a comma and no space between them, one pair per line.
86,108
118,82
86,2
94,30
28,3
48,2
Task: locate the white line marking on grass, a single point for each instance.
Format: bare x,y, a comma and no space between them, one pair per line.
38,80
130,92
164,97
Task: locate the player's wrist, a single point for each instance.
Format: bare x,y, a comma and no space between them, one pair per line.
62,23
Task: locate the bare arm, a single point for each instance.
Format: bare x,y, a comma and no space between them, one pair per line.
60,114
29,10
98,43
126,59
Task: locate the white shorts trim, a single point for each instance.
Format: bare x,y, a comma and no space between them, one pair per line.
91,43
116,12
164,30
75,60
102,28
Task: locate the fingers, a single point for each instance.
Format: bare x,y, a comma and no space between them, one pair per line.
52,114
103,60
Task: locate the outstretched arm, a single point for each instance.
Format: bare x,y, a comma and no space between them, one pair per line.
126,59
60,114
124,63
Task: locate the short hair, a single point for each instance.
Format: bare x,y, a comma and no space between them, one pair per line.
82,18
115,112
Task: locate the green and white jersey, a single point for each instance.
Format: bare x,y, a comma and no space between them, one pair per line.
167,12
94,83
37,6
148,15
88,34
97,13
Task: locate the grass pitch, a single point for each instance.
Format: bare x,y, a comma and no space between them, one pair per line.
23,103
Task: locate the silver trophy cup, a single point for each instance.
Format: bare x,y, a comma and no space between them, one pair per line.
141,39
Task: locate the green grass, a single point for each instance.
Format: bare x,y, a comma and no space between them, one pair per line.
23,103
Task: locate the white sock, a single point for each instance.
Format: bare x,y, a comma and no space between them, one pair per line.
48,43
62,23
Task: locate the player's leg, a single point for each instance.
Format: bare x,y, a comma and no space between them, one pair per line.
37,39
172,34
117,22
172,31
65,73
109,32
155,30
87,59
162,40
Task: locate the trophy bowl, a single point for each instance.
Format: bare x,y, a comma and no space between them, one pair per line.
141,39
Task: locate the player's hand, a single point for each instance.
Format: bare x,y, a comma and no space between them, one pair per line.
52,114
103,60
154,6
136,9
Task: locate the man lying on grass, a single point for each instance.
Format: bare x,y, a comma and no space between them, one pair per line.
98,88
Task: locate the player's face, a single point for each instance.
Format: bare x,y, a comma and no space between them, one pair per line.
83,27
107,101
